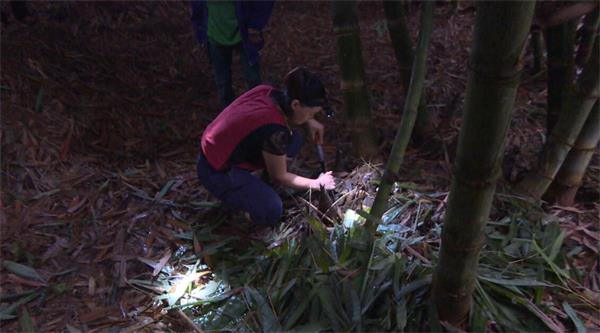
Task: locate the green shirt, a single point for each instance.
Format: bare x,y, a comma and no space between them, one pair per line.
222,23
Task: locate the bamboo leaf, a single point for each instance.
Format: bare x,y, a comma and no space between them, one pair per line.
10,297
556,245
560,273
38,100
312,327
385,263
22,270
165,189
8,312
268,319
477,322
517,282
356,313
409,288
45,194
297,312
573,315
25,321
327,302
401,314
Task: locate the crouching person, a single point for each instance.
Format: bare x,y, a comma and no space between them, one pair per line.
254,132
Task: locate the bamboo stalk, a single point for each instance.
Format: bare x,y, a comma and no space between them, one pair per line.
403,49
579,104
501,29
401,43
349,54
408,117
588,31
560,43
569,178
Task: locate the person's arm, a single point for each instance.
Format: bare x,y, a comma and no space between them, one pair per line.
277,169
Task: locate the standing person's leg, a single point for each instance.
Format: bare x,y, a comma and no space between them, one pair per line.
220,58
251,72
239,189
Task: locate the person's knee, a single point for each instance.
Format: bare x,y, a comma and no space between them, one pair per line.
270,212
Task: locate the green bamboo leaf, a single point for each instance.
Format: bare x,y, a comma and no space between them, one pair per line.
39,99
401,315
318,228
287,288
517,282
6,317
556,245
25,321
10,297
327,302
371,297
165,189
268,319
313,327
355,302
560,273
22,270
417,284
385,263
573,315
8,312
298,311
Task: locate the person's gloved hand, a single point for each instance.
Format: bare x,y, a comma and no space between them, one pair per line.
326,180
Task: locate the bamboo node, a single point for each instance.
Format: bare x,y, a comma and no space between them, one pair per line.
483,183
559,139
543,175
345,31
347,85
475,247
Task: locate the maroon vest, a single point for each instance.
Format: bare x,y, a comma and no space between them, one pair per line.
247,113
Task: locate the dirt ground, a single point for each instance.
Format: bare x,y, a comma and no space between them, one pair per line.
102,107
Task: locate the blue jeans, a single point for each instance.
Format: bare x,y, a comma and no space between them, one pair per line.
238,188
220,58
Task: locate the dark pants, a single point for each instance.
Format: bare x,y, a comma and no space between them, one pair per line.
238,188
220,58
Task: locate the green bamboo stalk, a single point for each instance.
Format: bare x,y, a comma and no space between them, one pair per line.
408,118
501,29
579,103
349,54
560,43
403,49
588,31
569,178
401,43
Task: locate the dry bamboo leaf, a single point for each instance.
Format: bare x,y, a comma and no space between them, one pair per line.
162,262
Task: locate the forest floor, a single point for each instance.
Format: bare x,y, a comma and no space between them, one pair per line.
102,108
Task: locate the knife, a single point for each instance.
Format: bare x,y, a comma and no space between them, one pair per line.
321,155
